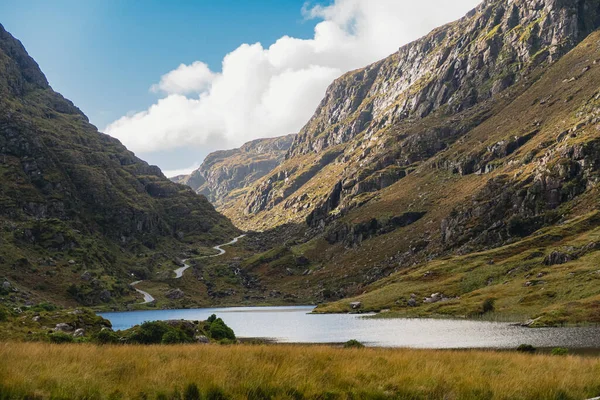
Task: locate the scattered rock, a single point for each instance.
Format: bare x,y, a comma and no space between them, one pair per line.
175,294
412,303
356,305
557,257
72,262
63,327
79,332
202,339
86,276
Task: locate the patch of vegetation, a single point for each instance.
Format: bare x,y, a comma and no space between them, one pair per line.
353,344
526,348
61,337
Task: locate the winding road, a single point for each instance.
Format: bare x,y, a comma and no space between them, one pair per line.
147,296
179,271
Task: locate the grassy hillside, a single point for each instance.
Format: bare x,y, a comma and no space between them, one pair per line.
535,147
80,215
287,372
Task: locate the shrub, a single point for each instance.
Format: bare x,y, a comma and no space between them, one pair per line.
174,336
44,306
149,333
61,337
106,336
3,314
212,319
219,330
526,348
560,351
215,393
191,392
353,344
488,305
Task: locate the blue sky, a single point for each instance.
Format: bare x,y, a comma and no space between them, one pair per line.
223,72
105,54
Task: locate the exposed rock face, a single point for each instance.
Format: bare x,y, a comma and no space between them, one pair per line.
456,66
474,137
454,70
65,187
224,172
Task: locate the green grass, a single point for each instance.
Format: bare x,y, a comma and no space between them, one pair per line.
557,294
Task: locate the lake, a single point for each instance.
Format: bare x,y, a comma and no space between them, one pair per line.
297,325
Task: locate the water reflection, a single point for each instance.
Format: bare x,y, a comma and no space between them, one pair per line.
297,325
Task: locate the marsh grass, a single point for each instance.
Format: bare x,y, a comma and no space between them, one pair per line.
38,370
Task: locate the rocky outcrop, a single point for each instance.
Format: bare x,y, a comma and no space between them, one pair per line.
454,67
386,118
511,207
224,172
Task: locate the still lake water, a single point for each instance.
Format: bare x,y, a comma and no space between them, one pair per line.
297,325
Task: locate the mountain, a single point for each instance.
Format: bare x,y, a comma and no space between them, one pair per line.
465,164
225,175
81,216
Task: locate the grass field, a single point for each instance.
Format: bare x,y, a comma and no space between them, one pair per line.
38,370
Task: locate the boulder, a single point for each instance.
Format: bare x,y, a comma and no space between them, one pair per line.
356,305
201,339
557,258
175,294
79,332
412,303
63,327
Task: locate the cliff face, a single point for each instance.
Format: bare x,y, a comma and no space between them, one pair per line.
224,175
70,193
454,69
474,137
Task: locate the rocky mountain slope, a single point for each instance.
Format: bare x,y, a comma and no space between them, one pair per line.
483,134
225,175
80,215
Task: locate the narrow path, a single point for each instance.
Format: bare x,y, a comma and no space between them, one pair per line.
147,296
179,271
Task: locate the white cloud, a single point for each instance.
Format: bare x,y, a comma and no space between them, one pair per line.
183,171
266,92
185,79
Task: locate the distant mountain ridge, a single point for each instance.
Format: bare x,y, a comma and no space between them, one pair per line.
224,175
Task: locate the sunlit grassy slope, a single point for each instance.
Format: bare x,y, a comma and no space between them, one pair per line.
31,370
516,277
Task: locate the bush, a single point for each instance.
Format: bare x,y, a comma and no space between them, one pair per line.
526,348
488,305
560,351
149,333
3,314
211,319
191,392
353,344
219,330
216,393
106,336
174,336
61,337
44,306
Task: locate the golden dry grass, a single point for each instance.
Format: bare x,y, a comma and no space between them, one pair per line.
281,372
